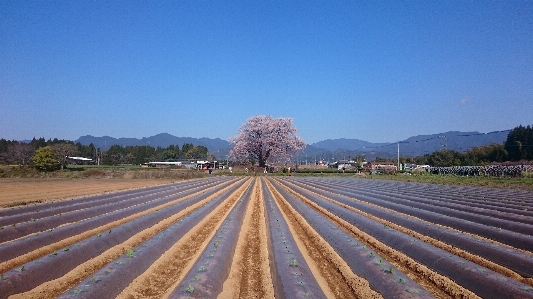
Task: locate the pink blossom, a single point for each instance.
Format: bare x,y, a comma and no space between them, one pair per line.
266,140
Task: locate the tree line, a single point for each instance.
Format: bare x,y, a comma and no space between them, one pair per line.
517,148
52,154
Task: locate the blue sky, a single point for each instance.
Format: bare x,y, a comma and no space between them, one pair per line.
379,71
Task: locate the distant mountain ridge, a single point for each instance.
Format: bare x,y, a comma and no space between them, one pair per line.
162,140
328,149
412,146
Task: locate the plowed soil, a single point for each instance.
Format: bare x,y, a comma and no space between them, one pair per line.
253,270
15,192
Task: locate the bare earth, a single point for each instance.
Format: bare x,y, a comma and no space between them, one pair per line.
250,274
25,191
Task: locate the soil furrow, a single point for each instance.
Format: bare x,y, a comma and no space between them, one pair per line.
331,270
56,287
441,286
249,276
167,271
68,241
520,262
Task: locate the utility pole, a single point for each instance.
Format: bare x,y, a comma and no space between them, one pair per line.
398,156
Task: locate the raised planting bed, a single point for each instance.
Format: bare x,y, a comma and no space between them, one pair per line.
382,276
515,260
109,281
62,261
290,272
514,239
207,275
480,280
10,250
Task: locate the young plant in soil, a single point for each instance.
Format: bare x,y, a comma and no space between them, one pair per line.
293,263
190,289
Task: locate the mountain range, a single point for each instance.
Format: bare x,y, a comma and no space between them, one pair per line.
330,149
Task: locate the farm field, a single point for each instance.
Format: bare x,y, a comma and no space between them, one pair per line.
24,191
265,237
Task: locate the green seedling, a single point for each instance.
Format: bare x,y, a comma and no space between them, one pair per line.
202,269
190,289
94,280
196,277
99,235
293,263
54,253
389,270
23,268
401,280
381,260
109,232
129,253
413,291
66,249
216,243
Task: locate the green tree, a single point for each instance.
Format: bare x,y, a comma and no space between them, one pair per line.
197,152
185,149
38,143
446,158
44,159
113,155
86,151
519,143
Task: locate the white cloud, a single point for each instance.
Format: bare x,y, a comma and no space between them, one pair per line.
464,101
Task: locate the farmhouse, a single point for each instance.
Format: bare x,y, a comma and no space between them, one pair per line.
79,160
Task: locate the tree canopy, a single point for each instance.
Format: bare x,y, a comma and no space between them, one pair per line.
44,159
519,143
264,139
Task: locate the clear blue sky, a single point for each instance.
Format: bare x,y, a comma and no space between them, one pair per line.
379,71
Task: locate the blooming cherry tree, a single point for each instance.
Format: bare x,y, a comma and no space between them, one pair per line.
266,140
